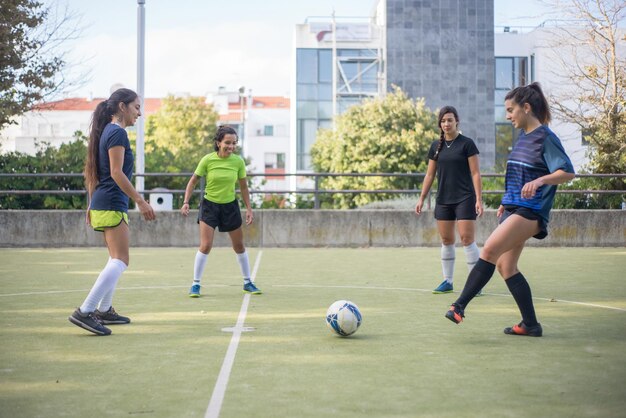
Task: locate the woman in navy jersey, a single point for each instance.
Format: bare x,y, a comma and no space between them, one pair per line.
537,164
108,173
454,157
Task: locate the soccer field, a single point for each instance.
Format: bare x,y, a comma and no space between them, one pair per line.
406,360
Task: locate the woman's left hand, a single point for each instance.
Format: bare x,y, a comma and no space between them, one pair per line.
249,216
530,188
479,208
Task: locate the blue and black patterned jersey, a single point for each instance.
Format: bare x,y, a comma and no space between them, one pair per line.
535,155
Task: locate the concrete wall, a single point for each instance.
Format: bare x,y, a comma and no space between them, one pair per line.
302,228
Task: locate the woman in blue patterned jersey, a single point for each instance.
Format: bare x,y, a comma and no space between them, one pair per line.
537,164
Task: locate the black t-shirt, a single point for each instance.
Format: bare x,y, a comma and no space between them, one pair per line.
453,171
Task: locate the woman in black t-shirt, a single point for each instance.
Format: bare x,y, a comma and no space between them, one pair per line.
454,158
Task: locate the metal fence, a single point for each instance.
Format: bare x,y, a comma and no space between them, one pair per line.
316,190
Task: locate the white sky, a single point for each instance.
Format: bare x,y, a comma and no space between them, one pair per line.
195,46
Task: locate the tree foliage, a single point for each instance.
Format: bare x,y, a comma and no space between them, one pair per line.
177,136
68,158
384,135
590,58
30,59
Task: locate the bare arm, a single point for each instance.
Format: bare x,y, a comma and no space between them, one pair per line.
474,166
245,194
553,179
429,178
191,185
116,157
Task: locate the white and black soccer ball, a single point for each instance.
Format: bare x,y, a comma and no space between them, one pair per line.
343,317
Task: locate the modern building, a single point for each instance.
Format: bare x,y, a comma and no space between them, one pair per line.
441,51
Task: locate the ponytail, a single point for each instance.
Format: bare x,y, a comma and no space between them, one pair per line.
439,146
533,95
101,117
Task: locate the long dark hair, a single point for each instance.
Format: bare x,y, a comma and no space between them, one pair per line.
444,110
532,95
222,131
101,116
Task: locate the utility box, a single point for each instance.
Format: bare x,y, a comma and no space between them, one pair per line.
160,200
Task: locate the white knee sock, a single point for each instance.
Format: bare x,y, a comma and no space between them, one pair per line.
448,256
245,266
198,266
471,254
105,284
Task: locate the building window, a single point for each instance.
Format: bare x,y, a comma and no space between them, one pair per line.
268,130
274,160
510,72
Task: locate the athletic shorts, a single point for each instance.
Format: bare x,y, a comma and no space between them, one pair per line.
465,210
101,219
224,216
527,214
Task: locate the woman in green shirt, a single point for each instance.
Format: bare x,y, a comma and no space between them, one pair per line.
219,209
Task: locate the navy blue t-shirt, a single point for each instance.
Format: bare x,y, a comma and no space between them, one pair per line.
108,195
535,155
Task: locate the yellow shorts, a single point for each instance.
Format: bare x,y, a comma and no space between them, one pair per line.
101,219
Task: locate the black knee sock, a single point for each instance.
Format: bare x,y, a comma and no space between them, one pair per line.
519,288
477,279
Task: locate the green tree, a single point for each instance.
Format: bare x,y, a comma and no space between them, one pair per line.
385,135
68,158
177,136
30,58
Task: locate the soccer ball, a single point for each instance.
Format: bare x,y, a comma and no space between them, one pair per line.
343,317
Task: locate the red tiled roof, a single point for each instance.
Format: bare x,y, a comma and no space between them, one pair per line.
82,104
151,105
264,102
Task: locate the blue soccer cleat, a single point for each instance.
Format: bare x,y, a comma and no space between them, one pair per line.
251,288
444,287
194,292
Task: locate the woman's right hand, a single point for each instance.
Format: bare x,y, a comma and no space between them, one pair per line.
500,211
184,209
418,206
146,210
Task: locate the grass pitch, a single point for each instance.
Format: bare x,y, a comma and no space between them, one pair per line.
406,360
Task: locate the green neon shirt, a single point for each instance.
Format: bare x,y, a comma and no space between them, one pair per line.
221,176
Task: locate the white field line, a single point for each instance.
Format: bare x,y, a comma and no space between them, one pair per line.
215,404
594,305
409,289
53,292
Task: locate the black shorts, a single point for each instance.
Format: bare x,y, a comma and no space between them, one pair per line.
225,216
464,210
527,214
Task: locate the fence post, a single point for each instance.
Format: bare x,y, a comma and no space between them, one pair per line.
316,198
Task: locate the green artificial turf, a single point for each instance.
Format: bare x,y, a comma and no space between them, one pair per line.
406,360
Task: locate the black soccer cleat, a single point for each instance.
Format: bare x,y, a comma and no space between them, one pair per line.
89,322
522,329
